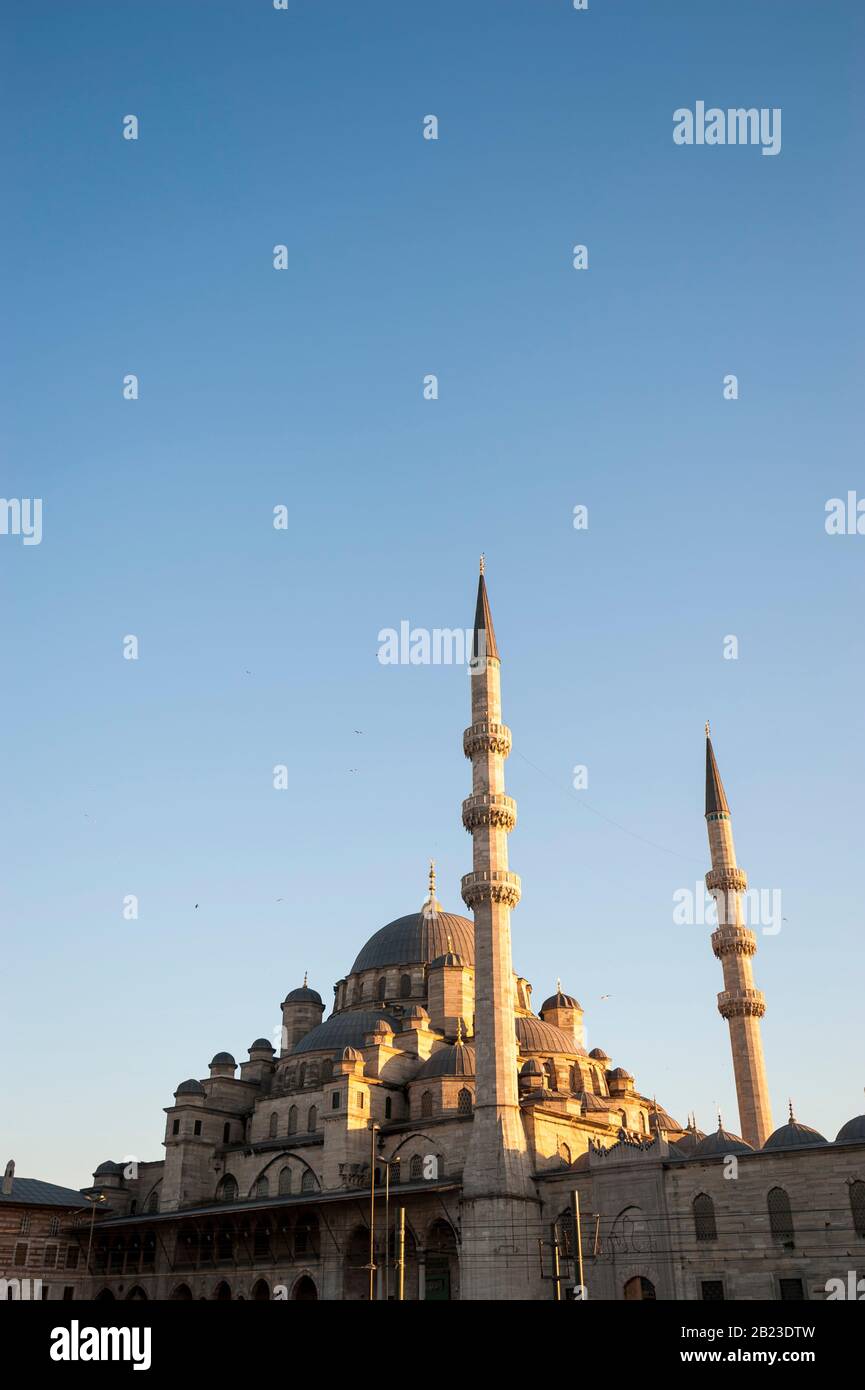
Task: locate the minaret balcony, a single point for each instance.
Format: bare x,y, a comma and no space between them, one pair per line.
729,880
489,808
487,738
742,1003
733,941
491,886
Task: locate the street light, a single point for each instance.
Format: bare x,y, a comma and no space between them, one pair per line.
93,1200
374,1129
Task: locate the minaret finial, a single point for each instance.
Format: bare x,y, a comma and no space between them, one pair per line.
716,798
432,880
708,730
482,564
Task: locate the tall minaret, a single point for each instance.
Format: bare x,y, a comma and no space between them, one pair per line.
734,944
499,1231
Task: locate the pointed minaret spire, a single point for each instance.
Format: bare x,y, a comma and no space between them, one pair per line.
431,904
735,945
716,799
497,1195
484,640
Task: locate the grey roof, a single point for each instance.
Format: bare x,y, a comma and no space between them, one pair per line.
560,1001
456,1060
342,1030
689,1143
853,1132
534,1035
260,1044
223,1059
418,939
720,1143
794,1136
109,1166
190,1088
304,995
716,799
32,1192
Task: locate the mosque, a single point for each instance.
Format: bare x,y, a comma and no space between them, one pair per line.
437,1137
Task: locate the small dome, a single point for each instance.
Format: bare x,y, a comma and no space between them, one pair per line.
456,1060
720,1143
561,1001
534,1035
621,1075
689,1143
416,1011
382,1026
223,1059
792,1135
658,1117
532,1068
303,995
449,958
853,1132
190,1088
261,1045
351,1054
591,1103
599,1054
109,1166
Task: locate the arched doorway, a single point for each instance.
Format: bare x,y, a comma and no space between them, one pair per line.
304,1290
442,1263
137,1293
105,1296
638,1287
182,1294
222,1293
261,1291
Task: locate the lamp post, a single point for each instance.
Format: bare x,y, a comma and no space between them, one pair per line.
94,1200
373,1132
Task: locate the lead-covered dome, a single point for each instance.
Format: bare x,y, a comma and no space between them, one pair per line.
456,1060
418,939
794,1135
344,1030
853,1132
534,1035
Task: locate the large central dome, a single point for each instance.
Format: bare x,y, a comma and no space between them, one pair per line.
417,940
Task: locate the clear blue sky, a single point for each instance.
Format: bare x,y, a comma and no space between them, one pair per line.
303,387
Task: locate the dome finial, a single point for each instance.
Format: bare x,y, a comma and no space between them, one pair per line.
792,1117
558,985
432,879
459,1032
305,978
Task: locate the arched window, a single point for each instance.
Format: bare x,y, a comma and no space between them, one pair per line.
292,1120
405,986
551,1075
416,1168
381,989
857,1206
327,1069
227,1190
464,1102
284,1182
301,1074
388,1107
780,1216
426,1106
226,1132
262,1187
274,1121
705,1226
153,1201
564,1153
312,1119
307,1182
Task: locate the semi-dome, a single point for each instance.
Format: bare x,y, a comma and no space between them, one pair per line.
534,1035
190,1088
343,1030
458,1059
853,1132
418,939
223,1059
720,1143
792,1135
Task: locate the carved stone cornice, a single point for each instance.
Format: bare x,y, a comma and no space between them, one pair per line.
487,738
491,885
490,808
733,941
729,880
742,1003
